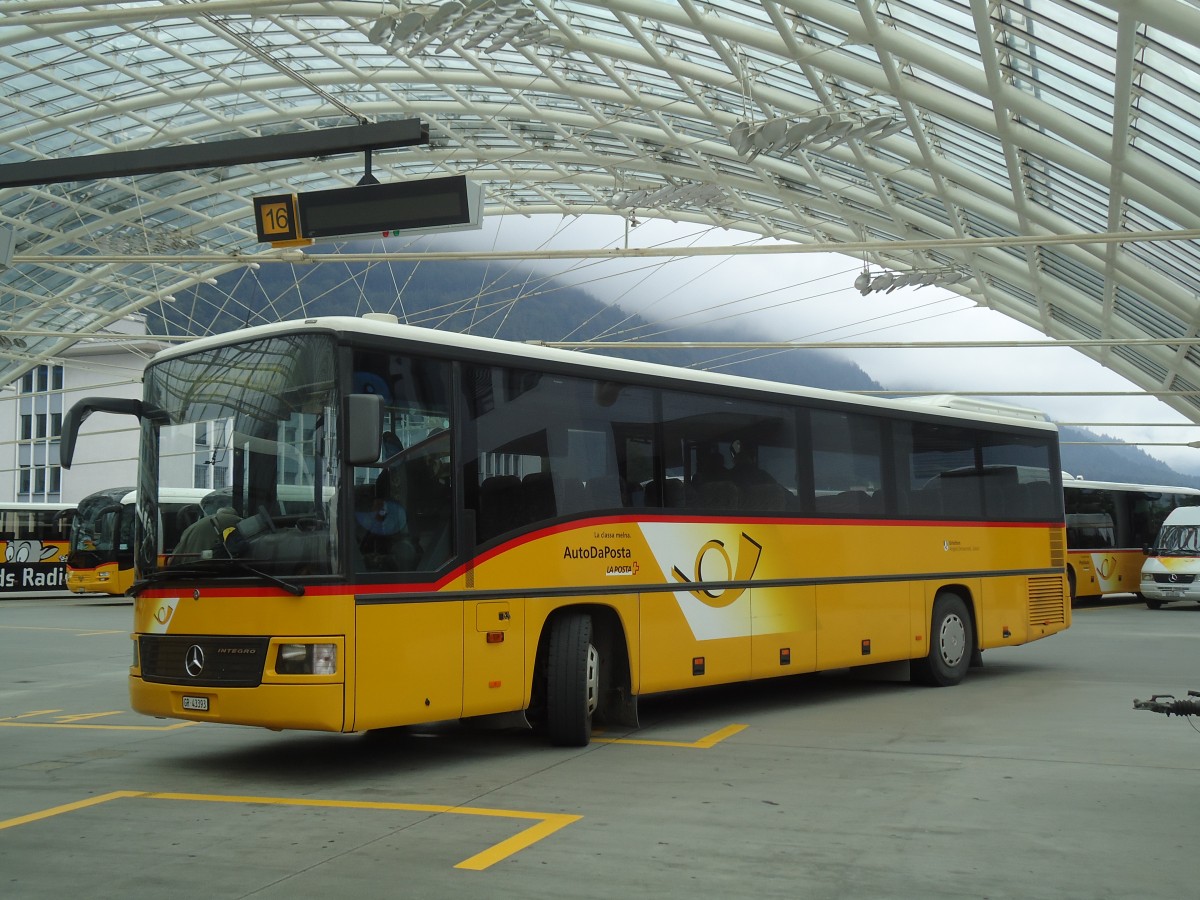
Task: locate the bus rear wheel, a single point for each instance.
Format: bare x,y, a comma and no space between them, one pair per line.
950,643
572,680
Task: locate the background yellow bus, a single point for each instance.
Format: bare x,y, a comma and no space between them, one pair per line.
1109,525
104,529
423,526
34,540
100,559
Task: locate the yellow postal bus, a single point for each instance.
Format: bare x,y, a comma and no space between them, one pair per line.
1109,525
33,544
104,530
423,526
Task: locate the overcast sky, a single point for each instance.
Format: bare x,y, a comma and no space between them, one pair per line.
811,297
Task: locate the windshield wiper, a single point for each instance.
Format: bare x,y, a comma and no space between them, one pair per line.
207,568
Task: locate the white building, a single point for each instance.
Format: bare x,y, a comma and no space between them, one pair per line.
32,408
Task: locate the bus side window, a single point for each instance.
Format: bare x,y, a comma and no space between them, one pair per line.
847,463
411,479
542,446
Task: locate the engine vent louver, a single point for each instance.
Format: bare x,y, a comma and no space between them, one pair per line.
1047,600
1058,548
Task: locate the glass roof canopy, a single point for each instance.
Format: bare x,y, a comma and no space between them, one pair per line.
1045,152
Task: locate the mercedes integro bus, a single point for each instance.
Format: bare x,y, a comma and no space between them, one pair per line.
478,528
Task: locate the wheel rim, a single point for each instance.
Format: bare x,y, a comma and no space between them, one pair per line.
592,679
952,640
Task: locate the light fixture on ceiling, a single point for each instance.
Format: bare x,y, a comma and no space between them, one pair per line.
490,25
867,283
671,195
149,238
783,136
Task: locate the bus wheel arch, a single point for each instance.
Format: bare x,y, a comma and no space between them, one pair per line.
582,673
952,641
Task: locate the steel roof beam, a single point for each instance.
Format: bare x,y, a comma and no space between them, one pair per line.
216,154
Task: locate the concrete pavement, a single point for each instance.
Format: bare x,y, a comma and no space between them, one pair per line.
1035,778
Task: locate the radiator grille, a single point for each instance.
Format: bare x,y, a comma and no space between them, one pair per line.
1173,578
1047,600
211,661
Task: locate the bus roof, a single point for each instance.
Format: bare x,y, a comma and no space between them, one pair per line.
36,506
1085,484
976,405
173,495
594,364
128,495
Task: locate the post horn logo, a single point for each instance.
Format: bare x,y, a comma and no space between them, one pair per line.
741,570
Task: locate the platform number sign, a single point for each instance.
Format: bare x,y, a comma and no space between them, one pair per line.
276,218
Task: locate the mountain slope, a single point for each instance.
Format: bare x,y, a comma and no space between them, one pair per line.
516,303
477,298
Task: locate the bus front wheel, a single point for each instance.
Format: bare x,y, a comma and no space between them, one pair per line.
950,642
572,680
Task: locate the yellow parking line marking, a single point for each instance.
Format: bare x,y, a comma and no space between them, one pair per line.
545,825
7,723
79,717
36,712
66,808
717,736
74,631
704,743
550,823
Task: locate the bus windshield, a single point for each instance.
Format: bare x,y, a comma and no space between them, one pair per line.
254,423
98,530
1178,540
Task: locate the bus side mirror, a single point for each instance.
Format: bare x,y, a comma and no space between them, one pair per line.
364,428
75,416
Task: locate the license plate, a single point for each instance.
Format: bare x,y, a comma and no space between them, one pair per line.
196,704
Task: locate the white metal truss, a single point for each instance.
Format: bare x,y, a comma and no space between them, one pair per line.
963,135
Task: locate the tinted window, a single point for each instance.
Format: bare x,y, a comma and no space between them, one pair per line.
961,472
1092,517
403,505
727,454
847,463
1147,509
541,446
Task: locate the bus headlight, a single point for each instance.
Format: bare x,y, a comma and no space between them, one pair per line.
306,659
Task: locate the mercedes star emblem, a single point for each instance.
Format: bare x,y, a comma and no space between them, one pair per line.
193,660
